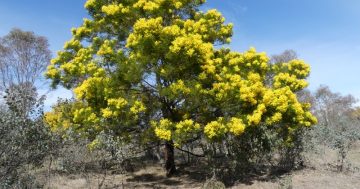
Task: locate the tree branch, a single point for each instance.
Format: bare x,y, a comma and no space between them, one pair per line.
197,155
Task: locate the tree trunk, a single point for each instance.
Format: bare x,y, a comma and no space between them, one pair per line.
169,158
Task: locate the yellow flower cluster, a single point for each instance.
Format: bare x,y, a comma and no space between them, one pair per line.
77,67
241,76
85,115
172,31
184,131
106,48
189,38
278,98
210,26
155,5
163,134
179,87
186,126
91,88
250,93
114,9
52,72
137,107
163,129
144,28
114,107
285,103
148,5
178,4
118,103
215,130
191,44
285,79
236,126
257,62
73,44
274,118
120,106
167,130
108,113
291,74
90,3
85,30
298,68
255,117
95,70
56,122
61,117
78,33
244,76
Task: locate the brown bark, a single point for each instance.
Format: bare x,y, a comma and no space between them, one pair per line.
169,158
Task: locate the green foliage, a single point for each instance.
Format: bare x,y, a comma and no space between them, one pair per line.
24,139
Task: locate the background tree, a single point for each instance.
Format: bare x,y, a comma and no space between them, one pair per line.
24,139
285,56
338,128
24,56
140,67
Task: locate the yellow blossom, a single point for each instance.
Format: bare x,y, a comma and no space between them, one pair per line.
236,126
215,130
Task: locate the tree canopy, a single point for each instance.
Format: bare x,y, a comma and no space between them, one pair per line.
160,66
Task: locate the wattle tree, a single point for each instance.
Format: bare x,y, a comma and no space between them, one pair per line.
160,66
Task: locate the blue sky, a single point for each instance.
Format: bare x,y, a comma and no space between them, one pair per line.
325,33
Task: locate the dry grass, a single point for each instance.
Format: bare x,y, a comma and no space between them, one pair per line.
314,179
154,177
320,174
149,177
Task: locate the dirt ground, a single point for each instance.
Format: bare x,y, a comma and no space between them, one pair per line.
319,174
309,179
154,177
